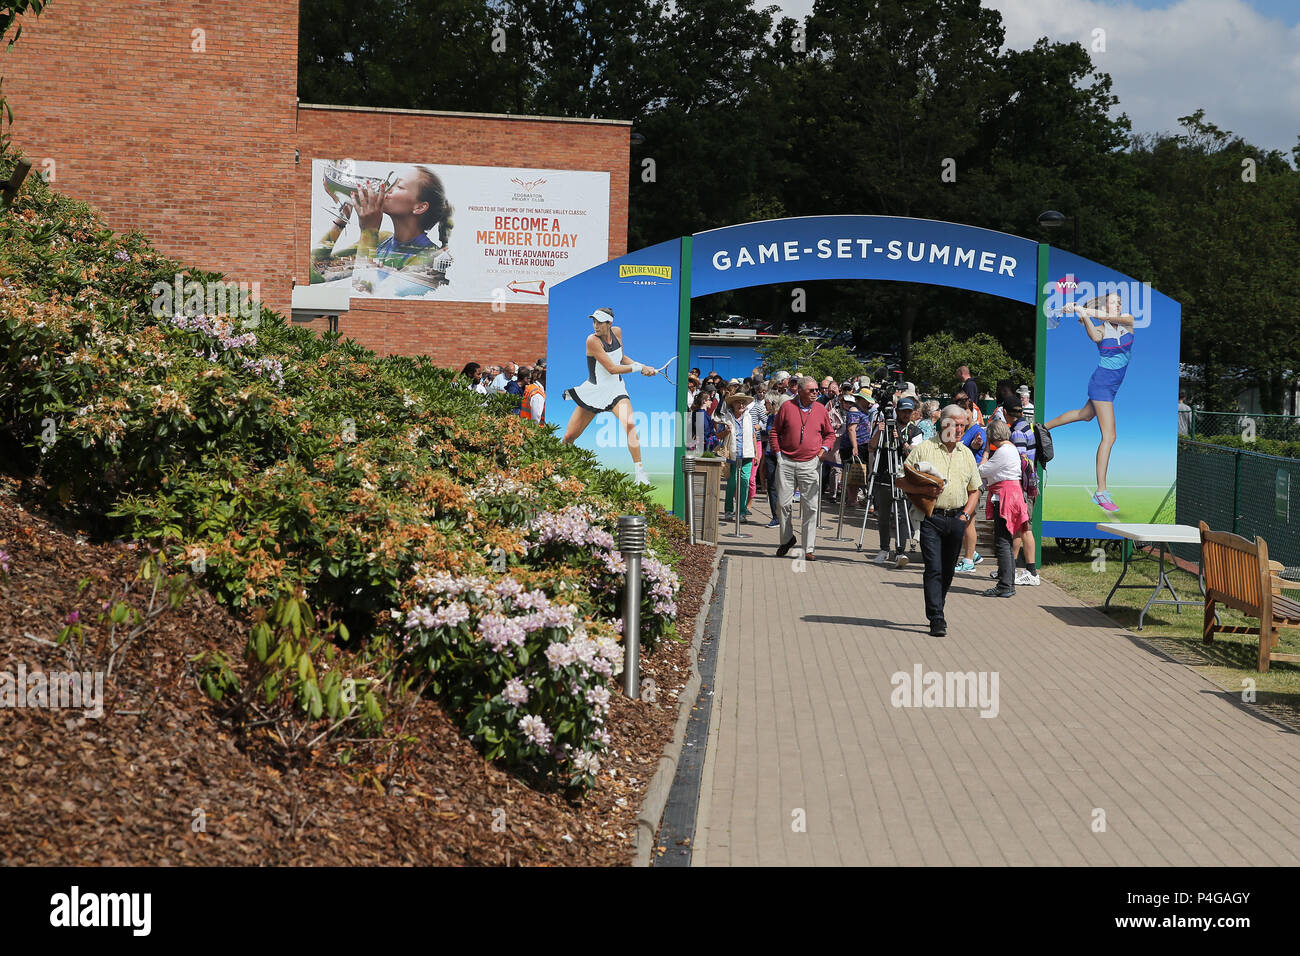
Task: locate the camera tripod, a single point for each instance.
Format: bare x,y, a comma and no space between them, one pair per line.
901,508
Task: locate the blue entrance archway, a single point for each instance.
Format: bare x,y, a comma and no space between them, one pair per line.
650,291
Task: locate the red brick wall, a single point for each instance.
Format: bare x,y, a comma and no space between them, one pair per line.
454,333
194,149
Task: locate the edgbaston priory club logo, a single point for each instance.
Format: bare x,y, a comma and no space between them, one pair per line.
527,189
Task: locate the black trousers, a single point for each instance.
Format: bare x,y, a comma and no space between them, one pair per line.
769,476
941,539
884,503
1002,541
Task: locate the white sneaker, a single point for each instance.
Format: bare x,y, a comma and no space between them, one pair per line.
900,560
1024,576
640,476
880,558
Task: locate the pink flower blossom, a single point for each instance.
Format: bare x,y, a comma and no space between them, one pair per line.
535,729
515,693
499,631
559,655
586,763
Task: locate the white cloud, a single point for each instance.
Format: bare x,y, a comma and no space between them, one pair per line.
1241,66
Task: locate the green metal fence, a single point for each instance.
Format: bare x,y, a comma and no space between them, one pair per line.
1244,492
1279,427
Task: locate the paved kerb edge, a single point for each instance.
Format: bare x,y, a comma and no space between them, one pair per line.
661,784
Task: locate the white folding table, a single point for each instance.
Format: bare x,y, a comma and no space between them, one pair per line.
1163,535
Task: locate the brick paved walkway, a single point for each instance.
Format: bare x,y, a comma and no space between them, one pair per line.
1088,720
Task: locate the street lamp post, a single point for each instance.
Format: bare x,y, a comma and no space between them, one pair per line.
688,470
631,545
1051,220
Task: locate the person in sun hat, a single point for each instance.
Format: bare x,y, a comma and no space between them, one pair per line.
853,446
604,391
741,452
1025,404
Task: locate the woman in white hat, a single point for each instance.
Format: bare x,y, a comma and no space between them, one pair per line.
604,391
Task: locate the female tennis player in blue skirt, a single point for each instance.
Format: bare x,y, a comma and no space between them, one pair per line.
604,391
1114,338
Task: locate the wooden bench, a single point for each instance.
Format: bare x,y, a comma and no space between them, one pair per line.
1239,574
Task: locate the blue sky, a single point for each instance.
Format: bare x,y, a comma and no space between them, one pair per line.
1239,59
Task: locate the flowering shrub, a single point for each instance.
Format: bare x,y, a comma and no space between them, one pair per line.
575,537
530,680
272,460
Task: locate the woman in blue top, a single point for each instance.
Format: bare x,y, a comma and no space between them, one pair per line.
1114,338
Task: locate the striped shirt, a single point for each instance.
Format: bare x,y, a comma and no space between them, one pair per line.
1022,435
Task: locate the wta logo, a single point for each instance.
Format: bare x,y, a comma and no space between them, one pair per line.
1067,284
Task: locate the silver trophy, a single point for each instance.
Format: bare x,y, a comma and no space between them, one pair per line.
341,181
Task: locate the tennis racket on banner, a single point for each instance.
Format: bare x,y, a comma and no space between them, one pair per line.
669,371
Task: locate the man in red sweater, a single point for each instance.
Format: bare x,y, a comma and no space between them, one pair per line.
800,436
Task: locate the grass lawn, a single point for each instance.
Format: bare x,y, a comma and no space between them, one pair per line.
1227,662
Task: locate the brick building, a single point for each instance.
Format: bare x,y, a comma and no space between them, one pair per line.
180,118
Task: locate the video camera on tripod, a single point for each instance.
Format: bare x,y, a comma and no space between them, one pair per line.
883,396
885,470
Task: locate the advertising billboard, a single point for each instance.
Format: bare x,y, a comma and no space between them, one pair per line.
1111,397
454,233
626,418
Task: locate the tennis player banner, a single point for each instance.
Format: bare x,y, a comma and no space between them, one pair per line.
636,301
454,233
1110,398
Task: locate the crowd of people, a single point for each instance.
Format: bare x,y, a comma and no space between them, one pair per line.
510,378
799,441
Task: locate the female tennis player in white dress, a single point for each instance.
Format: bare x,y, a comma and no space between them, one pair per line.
604,391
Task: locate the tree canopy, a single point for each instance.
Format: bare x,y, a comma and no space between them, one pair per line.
862,107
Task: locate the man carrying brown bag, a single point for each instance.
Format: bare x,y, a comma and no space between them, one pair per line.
945,456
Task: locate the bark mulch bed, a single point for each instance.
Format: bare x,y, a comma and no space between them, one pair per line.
159,781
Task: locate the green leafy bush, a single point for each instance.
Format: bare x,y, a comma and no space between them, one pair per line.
277,462
1262,446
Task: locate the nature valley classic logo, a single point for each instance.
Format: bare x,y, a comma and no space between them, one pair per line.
645,275
527,189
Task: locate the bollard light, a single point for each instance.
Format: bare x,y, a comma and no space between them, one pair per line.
631,544
688,470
